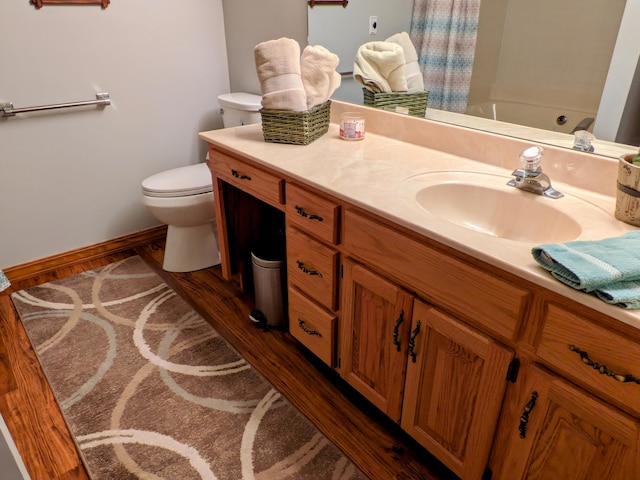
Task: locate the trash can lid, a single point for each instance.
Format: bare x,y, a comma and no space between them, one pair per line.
266,261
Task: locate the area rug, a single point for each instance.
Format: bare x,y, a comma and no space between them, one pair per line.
150,390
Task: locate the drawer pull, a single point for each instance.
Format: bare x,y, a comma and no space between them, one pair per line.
234,173
412,341
524,418
620,377
307,271
304,214
307,330
396,330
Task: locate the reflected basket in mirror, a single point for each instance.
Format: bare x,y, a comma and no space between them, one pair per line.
297,128
414,104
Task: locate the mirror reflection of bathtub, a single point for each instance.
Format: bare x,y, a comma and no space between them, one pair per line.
503,118
552,118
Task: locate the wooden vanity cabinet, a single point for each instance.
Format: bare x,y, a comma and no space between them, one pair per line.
454,387
312,270
431,336
440,379
374,337
561,432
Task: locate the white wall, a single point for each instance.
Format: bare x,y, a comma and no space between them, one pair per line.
71,178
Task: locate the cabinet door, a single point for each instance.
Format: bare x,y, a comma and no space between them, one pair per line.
456,379
564,433
374,332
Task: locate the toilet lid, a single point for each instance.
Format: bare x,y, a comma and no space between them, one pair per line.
179,182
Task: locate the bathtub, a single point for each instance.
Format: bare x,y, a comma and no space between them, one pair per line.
536,116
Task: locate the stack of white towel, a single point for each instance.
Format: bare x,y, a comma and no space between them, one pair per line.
389,66
290,81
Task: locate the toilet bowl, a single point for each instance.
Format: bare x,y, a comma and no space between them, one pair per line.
182,198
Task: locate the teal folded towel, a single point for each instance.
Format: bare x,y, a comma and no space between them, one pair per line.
624,294
610,268
4,281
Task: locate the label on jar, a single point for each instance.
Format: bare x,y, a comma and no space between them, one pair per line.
351,126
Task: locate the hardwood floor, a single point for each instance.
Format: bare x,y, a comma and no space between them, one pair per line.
375,444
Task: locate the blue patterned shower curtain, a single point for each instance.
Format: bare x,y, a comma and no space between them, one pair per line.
444,34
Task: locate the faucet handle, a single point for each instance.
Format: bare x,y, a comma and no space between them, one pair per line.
531,158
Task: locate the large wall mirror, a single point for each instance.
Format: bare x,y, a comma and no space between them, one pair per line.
542,68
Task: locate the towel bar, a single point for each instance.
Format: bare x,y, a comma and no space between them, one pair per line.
7,110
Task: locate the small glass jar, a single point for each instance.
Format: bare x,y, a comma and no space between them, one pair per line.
351,126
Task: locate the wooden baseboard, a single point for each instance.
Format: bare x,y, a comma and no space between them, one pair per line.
91,252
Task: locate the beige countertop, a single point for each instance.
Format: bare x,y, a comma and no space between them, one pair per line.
382,172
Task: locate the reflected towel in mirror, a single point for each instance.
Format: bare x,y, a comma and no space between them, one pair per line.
415,81
379,66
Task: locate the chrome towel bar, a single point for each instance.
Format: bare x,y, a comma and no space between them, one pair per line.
7,110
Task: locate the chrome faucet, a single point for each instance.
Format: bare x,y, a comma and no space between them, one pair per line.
530,176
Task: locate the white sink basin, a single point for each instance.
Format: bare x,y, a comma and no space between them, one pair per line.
484,203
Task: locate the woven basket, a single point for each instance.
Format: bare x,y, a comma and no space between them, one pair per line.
415,102
298,128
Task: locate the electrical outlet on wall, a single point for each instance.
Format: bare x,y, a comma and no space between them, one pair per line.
373,25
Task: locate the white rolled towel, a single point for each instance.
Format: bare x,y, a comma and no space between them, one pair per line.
415,81
278,67
379,66
319,77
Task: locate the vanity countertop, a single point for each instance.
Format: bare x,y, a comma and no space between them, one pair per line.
375,174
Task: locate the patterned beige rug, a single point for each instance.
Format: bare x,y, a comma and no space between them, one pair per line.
150,390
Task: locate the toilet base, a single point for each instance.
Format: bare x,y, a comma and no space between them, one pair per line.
190,248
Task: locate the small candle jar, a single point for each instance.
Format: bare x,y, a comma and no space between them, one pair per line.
351,126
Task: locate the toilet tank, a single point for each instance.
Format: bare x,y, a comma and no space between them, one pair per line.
240,108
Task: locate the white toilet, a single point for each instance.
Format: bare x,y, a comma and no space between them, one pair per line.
182,198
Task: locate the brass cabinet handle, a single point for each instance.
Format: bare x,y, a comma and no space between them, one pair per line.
307,271
234,173
396,330
307,330
412,341
300,211
524,418
620,377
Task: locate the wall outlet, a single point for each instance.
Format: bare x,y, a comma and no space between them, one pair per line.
373,25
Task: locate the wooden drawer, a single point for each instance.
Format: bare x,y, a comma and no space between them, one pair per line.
312,213
260,184
314,327
312,267
588,354
481,298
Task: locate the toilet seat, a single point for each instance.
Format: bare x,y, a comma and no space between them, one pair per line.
179,182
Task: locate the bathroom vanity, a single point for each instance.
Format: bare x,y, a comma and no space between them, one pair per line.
450,328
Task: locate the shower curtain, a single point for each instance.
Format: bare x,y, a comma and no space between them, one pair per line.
444,34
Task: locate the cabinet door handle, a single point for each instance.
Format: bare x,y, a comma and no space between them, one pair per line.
307,330
603,369
234,173
524,418
310,216
396,330
412,341
307,271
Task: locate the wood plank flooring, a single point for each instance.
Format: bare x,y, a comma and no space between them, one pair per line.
373,443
